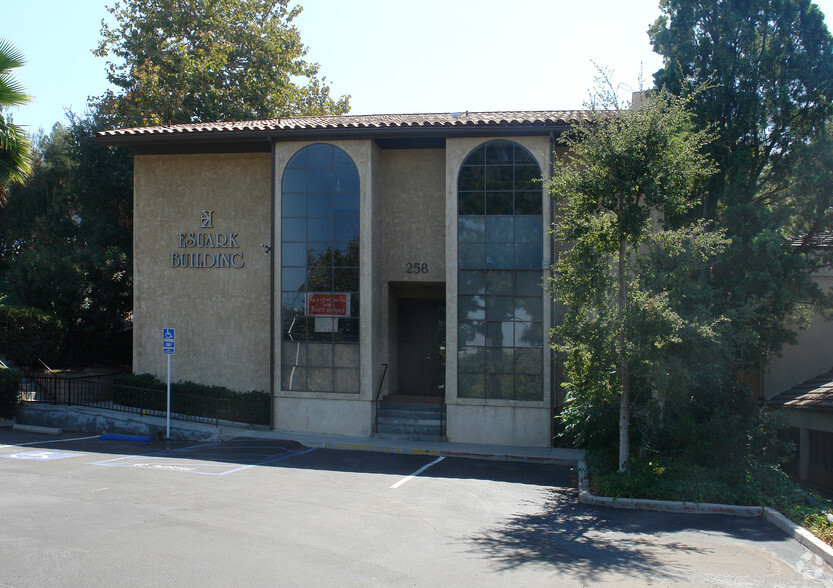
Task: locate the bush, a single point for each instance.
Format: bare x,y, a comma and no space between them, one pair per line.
193,399
677,478
9,391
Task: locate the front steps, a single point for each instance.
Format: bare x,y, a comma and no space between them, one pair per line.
412,421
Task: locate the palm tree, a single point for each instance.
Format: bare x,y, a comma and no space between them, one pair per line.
14,144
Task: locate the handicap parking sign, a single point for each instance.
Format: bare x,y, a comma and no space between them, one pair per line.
168,342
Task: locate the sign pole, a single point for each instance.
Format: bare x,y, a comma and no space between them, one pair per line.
168,419
168,348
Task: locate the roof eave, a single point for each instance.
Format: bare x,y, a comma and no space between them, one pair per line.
348,133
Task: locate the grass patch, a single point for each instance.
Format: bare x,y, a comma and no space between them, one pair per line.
752,484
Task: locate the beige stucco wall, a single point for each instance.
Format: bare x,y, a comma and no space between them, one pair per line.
221,315
810,356
410,225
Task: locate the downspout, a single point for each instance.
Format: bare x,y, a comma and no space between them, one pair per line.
554,377
272,288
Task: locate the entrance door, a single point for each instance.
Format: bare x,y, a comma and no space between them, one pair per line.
421,347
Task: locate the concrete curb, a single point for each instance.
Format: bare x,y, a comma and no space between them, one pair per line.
444,453
793,530
800,534
7,422
37,429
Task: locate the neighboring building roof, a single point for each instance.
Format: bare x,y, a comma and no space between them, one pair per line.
821,240
349,125
814,394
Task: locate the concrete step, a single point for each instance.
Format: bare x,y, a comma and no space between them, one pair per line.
410,414
410,407
409,429
395,437
386,419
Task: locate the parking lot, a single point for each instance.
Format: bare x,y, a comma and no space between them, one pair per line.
78,510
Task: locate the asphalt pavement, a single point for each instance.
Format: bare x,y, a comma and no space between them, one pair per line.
78,510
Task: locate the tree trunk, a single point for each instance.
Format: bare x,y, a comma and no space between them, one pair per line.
624,367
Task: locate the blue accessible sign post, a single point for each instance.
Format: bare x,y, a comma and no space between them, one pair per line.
168,348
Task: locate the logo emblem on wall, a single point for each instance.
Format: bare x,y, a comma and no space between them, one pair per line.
207,220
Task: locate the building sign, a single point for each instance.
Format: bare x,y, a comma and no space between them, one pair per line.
328,304
207,249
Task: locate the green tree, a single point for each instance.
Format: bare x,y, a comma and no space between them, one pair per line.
14,145
624,166
65,239
764,71
180,61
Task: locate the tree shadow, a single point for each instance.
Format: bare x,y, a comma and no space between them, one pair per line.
589,543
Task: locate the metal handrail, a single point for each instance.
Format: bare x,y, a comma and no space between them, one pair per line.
376,398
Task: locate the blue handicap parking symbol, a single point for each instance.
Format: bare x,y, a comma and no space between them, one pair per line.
40,455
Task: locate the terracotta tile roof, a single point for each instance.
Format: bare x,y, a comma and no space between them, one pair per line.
814,394
821,240
457,120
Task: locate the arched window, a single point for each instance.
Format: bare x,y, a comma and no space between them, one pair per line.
320,271
500,252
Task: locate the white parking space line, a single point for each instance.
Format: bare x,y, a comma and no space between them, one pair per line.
48,441
192,465
418,472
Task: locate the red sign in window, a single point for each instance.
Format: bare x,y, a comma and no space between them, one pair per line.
328,304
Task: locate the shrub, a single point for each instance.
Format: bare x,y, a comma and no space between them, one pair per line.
193,399
9,391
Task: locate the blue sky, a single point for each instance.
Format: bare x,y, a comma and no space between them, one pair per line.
391,56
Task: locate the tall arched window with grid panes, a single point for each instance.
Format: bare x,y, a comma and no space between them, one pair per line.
320,271
500,237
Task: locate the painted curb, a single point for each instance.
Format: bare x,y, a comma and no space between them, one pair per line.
800,534
37,429
117,437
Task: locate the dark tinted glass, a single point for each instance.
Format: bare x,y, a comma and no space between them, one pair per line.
499,203
294,180
471,229
346,180
499,152
346,204
527,178
471,178
528,229
500,229
320,205
528,203
499,177
293,229
320,155
294,205
471,203
294,254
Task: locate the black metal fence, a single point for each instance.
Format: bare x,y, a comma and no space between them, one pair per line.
101,392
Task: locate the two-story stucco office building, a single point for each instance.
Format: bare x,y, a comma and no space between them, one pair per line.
336,260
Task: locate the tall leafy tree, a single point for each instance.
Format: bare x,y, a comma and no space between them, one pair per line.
179,61
625,165
767,69
14,145
65,240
